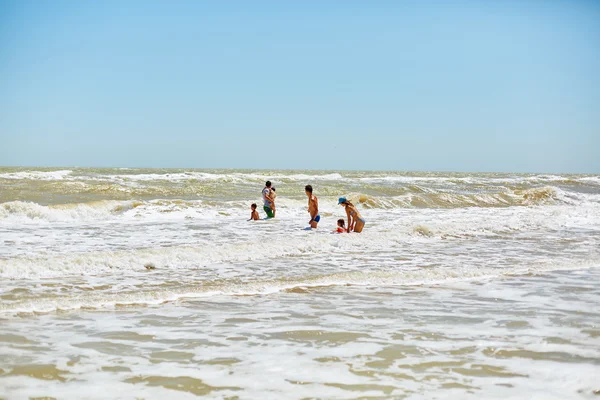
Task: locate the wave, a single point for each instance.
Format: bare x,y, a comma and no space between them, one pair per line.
93,263
37,175
423,198
65,212
386,235
132,175
229,177
237,177
478,179
417,198
158,294
104,210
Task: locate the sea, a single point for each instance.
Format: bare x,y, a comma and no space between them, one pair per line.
152,284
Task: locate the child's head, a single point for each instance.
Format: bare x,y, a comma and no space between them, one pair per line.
273,189
253,207
341,223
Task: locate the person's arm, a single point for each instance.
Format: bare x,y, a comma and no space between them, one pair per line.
349,228
267,195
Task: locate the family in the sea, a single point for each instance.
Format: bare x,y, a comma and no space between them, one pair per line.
356,222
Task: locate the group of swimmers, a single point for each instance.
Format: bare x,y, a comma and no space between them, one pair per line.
356,222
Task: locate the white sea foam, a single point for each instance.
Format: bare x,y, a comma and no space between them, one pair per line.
65,212
37,175
454,340
458,284
211,237
157,292
175,209
134,175
214,177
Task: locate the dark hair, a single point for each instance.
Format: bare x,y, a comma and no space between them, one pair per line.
273,189
253,205
341,222
268,184
308,188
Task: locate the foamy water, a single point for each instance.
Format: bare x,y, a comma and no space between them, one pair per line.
152,283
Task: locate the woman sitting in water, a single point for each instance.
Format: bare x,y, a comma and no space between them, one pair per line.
356,222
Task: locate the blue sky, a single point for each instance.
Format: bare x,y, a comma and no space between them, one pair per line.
402,85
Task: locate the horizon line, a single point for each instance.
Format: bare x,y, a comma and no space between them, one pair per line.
302,169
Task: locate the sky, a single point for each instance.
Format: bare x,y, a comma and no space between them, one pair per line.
475,86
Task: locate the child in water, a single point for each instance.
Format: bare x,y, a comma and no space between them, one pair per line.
340,228
254,216
273,196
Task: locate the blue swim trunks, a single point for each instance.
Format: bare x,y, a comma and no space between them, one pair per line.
316,219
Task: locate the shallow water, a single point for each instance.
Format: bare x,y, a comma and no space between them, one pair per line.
515,337
150,283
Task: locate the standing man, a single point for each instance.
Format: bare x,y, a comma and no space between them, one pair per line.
313,207
268,200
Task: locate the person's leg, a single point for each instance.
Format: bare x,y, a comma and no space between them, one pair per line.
268,211
359,225
315,222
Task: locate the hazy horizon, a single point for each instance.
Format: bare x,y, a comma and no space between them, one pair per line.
408,171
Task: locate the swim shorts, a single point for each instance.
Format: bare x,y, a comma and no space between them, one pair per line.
316,219
268,211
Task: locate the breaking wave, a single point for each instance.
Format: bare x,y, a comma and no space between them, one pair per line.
388,237
419,198
36,175
158,294
65,212
98,210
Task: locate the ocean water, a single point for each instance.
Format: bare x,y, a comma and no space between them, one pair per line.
147,283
